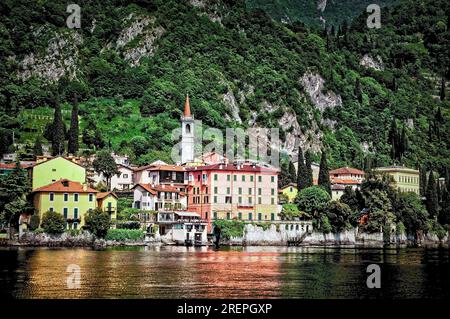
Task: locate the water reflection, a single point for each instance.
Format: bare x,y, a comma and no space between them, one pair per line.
232,272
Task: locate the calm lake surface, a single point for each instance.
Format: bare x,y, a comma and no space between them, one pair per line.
236,272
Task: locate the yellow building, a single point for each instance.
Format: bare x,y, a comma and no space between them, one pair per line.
405,179
290,191
71,199
107,201
49,171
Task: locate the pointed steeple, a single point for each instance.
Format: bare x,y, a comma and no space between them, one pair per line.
187,107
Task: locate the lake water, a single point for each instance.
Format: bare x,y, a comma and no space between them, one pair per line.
236,272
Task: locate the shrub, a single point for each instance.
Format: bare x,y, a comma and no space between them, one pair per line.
129,225
53,223
98,222
124,234
230,228
35,220
39,231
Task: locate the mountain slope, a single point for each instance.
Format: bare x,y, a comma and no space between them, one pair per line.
134,64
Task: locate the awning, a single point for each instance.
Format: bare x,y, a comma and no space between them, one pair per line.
187,214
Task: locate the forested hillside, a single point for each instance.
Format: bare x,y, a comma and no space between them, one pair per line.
371,96
315,12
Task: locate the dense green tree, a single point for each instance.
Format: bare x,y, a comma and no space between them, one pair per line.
324,175
442,90
14,189
309,172
422,181
74,131
104,163
53,222
338,215
379,210
301,170
444,213
57,128
37,148
349,198
313,200
97,222
284,178
411,212
292,173
92,136
432,202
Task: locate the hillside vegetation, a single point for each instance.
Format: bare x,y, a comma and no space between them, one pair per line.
133,64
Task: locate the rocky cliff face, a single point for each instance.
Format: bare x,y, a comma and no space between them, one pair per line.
143,31
60,58
313,85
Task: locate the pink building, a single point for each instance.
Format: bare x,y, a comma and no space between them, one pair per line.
233,191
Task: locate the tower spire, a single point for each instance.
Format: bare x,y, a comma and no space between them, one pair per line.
187,107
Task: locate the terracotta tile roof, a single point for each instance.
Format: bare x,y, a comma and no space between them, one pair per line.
65,186
159,188
13,165
152,167
345,181
187,107
288,185
346,170
105,194
232,167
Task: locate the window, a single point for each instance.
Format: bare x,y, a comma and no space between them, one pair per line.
250,200
234,177
272,201
215,177
259,179
291,189
259,216
75,197
53,169
272,191
240,190
259,191
243,178
91,197
249,191
66,197
240,200
75,213
214,215
65,212
240,215
228,190
272,217
215,190
215,199
259,200
228,177
228,215
204,177
272,179
75,225
251,178
228,200
52,197
188,128
250,216
125,175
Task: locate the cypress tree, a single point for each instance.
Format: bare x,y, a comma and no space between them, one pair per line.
423,181
309,173
358,92
74,130
442,92
292,173
324,176
37,148
57,129
301,170
432,196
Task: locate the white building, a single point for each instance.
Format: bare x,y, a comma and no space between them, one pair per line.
158,198
124,180
187,134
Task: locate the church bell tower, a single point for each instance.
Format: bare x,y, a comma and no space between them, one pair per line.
187,134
